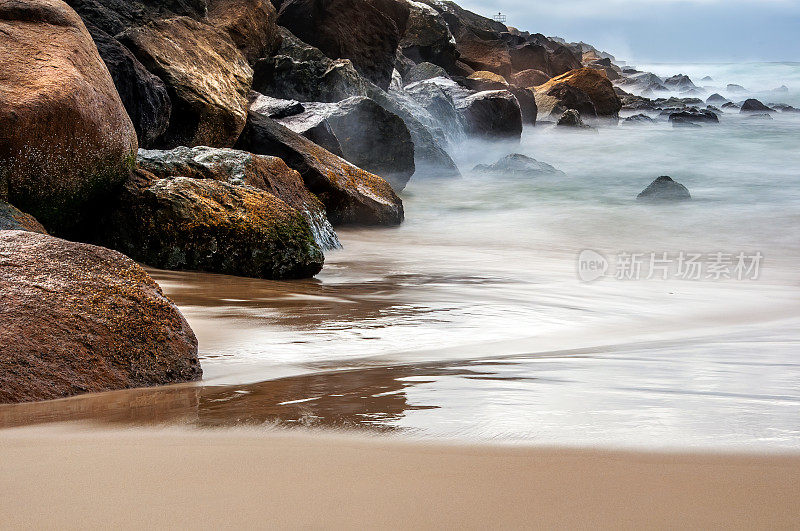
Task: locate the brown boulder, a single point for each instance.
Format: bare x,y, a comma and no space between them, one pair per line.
65,138
552,102
350,194
481,54
75,318
251,25
11,218
594,84
207,77
528,78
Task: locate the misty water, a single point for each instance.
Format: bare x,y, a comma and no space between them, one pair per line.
470,320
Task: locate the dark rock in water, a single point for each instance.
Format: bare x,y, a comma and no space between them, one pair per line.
251,25
681,121
12,218
714,109
707,78
370,137
274,107
644,82
730,105
692,92
77,318
427,39
664,189
735,88
572,118
367,32
436,97
552,102
639,119
481,81
630,70
144,95
517,165
351,195
716,98
491,114
66,140
753,105
209,97
760,116
301,72
694,115
631,102
783,107
424,71
210,225
679,82
240,168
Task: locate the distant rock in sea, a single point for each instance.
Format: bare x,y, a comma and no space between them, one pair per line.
753,105
736,88
664,189
517,165
639,119
716,98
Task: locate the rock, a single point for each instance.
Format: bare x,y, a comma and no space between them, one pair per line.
644,82
435,97
707,79
679,82
480,54
753,105
117,16
595,85
730,105
558,98
571,118
681,121
65,139
612,71
544,55
694,115
210,225
493,114
783,107
207,77
273,107
369,136
664,189
716,98
714,109
736,88
517,165
12,218
350,195
490,77
424,71
251,25
639,119
301,72
367,32
75,318
760,116
781,89
144,95
480,81
428,40
528,78
240,168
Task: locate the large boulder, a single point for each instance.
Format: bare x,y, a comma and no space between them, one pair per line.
423,71
516,165
541,53
528,78
251,25
439,104
679,82
116,16
350,195
572,118
240,168
368,135
595,85
526,97
144,95
493,114
753,105
481,54
717,98
301,72
65,138
207,77
428,39
75,318
693,115
613,72
275,107
210,225
552,102
664,189
367,32
12,218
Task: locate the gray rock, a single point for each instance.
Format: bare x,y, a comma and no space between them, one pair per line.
716,98
572,118
274,107
664,189
638,119
753,105
424,71
517,165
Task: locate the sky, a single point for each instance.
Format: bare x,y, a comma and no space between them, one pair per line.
663,30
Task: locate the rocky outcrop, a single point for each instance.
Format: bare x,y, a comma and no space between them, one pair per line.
595,85
716,98
423,71
612,71
526,97
664,189
516,165
571,118
438,102
528,78
65,138
367,32
350,195
544,55
694,115
643,82
427,39
552,103
240,168
274,107
251,25
753,105
11,218
679,82
210,225
492,114
301,72
368,135
208,79
75,318
639,119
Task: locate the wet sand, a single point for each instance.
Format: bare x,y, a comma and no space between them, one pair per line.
61,477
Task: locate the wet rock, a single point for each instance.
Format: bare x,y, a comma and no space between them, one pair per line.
11,218
350,195
714,109
730,105
716,98
664,189
428,40
274,107
240,168
251,25
210,225
480,81
694,115
492,114
759,116
528,78
424,71
612,71
571,118
435,96
558,98
65,137
631,102
679,82
782,107
643,82
681,121
208,79
639,119
517,165
367,32
737,89
753,105
369,136
595,85
76,318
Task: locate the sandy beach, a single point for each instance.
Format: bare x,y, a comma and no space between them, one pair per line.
64,477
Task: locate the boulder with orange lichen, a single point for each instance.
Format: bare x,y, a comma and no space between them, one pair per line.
528,78
210,225
594,84
351,195
76,318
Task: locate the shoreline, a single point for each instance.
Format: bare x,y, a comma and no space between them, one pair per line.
233,478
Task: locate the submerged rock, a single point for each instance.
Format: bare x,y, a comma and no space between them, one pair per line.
694,115
730,105
77,318
679,82
664,189
639,119
210,225
753,105
517,165
11,218
572,118
351,195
